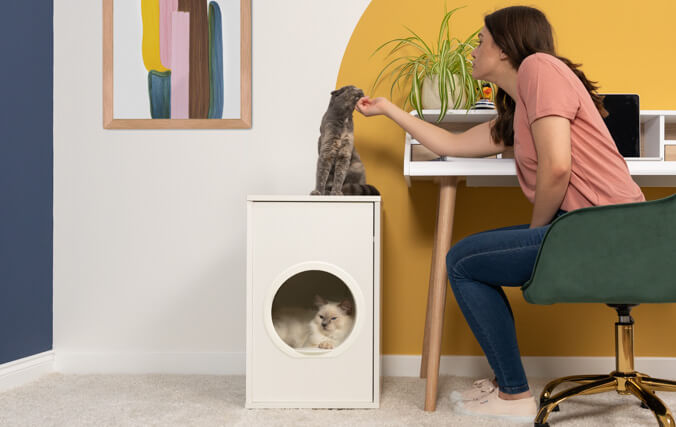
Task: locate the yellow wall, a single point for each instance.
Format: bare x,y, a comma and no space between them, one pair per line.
626,46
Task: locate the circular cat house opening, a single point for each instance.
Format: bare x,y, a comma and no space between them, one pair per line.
314,311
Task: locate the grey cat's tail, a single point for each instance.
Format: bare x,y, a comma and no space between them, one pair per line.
360,190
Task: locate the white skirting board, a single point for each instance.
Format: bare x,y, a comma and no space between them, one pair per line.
23,371
536,367
392,365
216,363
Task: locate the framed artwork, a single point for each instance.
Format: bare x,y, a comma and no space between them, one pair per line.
177,64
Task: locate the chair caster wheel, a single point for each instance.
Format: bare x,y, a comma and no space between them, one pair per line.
540,424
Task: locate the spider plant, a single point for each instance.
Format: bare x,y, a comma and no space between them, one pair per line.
450,57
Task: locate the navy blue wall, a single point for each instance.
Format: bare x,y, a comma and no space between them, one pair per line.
26,159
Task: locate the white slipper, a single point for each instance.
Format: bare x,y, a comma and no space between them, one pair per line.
520,410
479,389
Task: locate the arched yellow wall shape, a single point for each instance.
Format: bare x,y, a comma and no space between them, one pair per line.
623,45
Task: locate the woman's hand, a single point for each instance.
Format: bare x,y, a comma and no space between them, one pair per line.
372,107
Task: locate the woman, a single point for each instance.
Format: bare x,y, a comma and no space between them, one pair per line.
565,160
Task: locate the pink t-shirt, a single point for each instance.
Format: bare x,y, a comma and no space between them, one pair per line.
599,174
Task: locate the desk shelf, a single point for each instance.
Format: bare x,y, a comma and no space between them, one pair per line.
655,168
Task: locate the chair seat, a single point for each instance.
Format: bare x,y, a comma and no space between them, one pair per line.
612,254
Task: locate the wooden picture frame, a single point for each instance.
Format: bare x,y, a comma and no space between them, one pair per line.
241,122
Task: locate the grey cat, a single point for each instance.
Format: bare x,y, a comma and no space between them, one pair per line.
339,168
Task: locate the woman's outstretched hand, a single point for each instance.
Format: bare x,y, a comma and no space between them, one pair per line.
372,107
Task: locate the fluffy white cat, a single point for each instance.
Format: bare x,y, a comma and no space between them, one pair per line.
325,327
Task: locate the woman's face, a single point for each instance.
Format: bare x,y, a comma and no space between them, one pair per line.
486,57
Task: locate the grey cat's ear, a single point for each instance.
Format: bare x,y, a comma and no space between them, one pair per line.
319,301
346,306
338,91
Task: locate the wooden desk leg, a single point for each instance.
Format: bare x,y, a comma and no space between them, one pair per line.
436,297
430,287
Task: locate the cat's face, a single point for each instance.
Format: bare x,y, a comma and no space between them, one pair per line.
347,96
332,317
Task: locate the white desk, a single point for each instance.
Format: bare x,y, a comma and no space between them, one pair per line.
658,142
658,132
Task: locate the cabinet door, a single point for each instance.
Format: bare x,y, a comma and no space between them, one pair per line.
289,234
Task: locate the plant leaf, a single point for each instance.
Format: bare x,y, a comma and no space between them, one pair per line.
417,37
406,75
452,87
377,80
409,41
401,43
442,76
445,27
415,90
472,36
463,68
443,95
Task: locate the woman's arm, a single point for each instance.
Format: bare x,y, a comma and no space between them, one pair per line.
551,135
474,142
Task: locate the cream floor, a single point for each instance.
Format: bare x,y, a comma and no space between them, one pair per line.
196,400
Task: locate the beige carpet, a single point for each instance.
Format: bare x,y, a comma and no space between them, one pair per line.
197,400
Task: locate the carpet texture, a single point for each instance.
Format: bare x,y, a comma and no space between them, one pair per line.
201,400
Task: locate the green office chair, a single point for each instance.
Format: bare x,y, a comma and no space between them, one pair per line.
619,255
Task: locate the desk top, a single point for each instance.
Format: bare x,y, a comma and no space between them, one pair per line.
658,129
480,116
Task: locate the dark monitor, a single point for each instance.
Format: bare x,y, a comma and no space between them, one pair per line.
623,122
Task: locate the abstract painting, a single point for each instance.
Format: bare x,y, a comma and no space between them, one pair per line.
177,64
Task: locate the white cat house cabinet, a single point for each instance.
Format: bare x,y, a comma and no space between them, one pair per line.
299,246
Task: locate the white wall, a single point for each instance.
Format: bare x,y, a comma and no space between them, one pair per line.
150,226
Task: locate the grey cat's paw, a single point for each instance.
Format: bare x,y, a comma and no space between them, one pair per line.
336,193
315,193
326,345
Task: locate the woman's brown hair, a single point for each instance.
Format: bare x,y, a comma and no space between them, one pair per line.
521,31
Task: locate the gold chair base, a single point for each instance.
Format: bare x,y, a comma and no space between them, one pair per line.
636,383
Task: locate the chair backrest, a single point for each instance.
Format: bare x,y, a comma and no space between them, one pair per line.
622,253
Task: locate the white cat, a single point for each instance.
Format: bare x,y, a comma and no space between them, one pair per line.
326,327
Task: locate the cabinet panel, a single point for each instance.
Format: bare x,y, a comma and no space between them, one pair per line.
285,238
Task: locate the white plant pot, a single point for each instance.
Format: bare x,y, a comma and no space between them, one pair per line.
430,93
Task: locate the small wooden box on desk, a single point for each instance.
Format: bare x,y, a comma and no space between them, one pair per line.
655,168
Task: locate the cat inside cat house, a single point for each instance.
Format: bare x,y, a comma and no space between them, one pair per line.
313,310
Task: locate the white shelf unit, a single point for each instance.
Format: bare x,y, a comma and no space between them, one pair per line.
658,142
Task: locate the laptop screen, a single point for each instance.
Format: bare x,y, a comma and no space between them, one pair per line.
623,122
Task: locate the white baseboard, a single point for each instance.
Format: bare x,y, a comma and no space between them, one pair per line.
536,367
69,362
392,365
22,371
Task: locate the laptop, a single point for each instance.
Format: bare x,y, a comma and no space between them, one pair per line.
623,122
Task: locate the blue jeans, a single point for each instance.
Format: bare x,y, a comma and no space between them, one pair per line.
478,266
